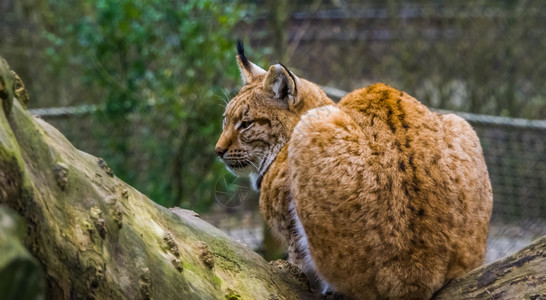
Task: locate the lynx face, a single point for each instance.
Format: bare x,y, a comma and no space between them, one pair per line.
252,131
258,121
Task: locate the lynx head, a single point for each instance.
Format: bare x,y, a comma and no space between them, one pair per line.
259,120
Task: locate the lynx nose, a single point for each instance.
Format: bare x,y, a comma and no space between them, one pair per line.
220,151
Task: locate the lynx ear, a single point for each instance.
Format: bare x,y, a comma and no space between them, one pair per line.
283,84
249,71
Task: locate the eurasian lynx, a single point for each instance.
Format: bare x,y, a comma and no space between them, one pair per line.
376,196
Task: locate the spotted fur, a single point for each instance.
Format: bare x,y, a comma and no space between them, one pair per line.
395,199
376,197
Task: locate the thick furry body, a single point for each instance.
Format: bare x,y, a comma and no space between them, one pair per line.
376,197
395,200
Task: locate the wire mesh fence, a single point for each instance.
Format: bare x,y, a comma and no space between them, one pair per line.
516,161
514,151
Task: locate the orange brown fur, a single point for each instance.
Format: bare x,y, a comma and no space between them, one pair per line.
395,200
376,196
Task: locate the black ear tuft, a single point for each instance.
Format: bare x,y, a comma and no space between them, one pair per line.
241,53
240,47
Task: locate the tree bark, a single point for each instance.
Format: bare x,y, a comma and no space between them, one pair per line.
96,237
519,276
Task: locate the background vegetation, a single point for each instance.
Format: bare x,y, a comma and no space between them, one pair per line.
158,72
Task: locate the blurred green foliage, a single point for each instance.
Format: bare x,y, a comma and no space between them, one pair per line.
158,72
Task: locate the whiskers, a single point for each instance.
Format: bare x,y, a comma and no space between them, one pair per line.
241,161
254,165
258,155
225,97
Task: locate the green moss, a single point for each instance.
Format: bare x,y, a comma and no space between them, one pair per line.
190,267
217,281
88,227
232,295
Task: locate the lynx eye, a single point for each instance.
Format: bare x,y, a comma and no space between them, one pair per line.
246,124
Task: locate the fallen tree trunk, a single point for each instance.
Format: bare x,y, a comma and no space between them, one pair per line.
97,237
519,276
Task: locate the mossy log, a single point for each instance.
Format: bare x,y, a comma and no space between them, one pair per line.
96,237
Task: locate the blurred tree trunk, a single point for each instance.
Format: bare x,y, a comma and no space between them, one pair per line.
279,13
20,274
96,237
272,248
